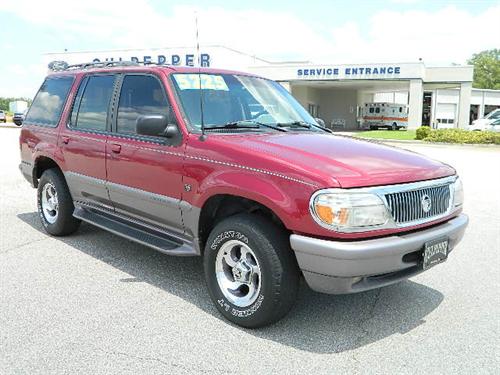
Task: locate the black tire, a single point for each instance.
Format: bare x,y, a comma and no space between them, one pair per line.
278,267
65,223
394,126
373,127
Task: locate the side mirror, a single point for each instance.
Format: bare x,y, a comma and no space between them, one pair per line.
171,131
155,126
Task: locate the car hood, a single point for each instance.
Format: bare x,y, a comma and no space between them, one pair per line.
336,160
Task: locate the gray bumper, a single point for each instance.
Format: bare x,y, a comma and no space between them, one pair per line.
338,267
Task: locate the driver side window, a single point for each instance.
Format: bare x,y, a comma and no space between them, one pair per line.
140,95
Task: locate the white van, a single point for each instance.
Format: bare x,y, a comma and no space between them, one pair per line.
392,116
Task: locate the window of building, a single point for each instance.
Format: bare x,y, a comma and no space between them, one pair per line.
91,106
140,95
49,101
490,108
313,110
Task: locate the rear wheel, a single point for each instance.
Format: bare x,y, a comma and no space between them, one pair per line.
372,127
394,126
251,272
55,205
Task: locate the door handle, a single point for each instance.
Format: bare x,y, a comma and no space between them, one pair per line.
65,139
116,148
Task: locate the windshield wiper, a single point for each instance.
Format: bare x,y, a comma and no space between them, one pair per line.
302,124
241,125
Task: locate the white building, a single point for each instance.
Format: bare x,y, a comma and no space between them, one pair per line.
437,96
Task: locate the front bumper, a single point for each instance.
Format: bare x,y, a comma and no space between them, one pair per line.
339,267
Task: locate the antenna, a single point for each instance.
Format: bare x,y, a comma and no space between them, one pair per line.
203,136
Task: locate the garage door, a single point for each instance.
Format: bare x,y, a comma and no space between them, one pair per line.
445,115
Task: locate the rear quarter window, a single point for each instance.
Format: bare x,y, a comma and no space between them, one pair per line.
48,104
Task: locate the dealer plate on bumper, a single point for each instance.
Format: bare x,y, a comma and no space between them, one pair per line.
435,252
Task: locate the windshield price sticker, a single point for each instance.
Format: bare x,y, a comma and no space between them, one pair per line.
208,82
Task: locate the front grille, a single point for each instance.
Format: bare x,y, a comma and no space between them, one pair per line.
407,207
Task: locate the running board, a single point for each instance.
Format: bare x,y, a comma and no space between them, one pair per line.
135,232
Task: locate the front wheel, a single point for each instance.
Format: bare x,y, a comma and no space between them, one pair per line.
251,271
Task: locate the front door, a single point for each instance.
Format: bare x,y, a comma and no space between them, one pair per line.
144,173
83,141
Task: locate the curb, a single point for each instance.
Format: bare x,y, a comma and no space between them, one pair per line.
417,142
404,141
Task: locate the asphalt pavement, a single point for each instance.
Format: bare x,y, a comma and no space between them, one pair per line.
94,303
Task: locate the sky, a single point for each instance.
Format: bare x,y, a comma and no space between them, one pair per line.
323,31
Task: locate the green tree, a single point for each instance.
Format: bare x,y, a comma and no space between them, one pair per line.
486,69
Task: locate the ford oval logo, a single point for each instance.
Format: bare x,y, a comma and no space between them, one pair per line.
426,203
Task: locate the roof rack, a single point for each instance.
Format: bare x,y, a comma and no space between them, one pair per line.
59,66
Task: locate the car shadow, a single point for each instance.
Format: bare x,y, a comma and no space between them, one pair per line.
318,323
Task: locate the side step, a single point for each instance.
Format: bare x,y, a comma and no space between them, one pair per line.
135,232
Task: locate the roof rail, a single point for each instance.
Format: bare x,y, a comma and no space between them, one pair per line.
59,66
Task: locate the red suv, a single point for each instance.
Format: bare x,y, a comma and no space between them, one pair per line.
230,167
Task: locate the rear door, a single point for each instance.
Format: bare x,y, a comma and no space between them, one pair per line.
144,172
83,141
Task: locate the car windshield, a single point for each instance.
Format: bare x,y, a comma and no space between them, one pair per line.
230,99
493,115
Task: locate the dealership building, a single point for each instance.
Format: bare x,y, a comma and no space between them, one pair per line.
439,96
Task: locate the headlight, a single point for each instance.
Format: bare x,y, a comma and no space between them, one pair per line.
458,193
348,212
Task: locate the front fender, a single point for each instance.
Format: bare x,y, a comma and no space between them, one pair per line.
287,199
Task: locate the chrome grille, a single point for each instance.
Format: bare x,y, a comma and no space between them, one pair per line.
406,206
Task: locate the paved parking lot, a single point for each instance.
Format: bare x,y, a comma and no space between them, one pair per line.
96,303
